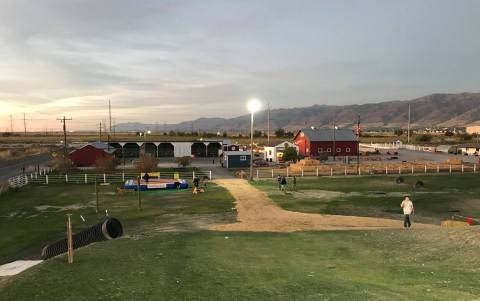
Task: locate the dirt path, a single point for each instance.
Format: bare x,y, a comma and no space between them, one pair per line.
257,212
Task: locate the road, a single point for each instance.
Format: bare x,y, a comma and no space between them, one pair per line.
13,168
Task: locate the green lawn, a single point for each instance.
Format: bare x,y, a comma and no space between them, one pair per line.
441,197
357,265
35,215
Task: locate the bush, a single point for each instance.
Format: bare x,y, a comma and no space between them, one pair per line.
290,154
424,138
184,161
106,164
62,164
146,163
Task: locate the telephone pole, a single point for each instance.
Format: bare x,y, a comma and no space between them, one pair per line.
11,123
110,115
268,123
408,126
100,132
24,125
63,120
358,146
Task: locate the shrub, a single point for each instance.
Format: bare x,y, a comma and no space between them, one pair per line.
146,163
290,154
62,164
106,164
184,161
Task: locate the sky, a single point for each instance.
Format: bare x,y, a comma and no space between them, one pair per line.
171,61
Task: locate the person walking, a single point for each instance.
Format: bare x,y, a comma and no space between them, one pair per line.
283,183
408,210
279,179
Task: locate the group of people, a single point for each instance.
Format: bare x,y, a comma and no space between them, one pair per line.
282,183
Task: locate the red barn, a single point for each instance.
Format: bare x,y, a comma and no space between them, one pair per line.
88,154
313,142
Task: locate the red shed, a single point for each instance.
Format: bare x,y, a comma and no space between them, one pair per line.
313,142
88,154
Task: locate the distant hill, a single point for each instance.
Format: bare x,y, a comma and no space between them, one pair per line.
443,110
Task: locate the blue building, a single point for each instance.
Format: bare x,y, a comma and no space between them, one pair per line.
236,159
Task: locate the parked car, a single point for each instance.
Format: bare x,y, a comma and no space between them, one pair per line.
260,163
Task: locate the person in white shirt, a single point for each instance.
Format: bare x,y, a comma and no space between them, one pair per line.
407,207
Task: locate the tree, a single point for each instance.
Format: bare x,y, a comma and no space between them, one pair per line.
224,135
63,165
449,133
106,164
398,132
257,134
290,154
280,132
424,138
466,137
146,163
184,161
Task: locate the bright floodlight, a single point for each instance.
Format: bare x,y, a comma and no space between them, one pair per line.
149,132
254,105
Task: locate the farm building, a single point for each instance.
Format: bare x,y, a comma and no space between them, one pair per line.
88,154
274,152
236,159
472,129
469,149
313,142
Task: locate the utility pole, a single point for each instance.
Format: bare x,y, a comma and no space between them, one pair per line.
408,126
11,123
110,115
114,126
334,129
100,132
268,123
24,125
358,146
63,120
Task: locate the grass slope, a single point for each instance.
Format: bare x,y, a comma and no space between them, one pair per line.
35,215
375,265
441,197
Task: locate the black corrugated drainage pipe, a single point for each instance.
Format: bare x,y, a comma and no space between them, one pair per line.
109,229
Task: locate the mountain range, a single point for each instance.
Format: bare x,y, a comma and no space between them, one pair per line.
436,110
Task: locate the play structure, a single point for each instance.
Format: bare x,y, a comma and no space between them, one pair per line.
152,181
111,228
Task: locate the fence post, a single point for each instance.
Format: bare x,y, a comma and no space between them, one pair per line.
331,171
425,168
399,170
345,169
66,178
104,178
463,168
36,175
438,168
359,171
272,173
257,175
302,171
412,169
123,176
31,176
386,169
193,174
474,168
86,181
450,170
287,171
317,171
26,179
210,174
46,179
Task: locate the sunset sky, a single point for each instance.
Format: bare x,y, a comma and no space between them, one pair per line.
171,61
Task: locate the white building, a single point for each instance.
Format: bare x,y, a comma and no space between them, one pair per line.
471,149
274,153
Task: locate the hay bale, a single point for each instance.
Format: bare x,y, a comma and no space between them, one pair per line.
450,223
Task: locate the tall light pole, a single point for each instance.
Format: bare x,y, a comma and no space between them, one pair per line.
254,105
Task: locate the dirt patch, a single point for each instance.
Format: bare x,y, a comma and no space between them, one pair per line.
49,208
257,212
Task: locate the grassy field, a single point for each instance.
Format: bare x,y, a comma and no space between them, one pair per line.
35,215
164,254
441,197
375,265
